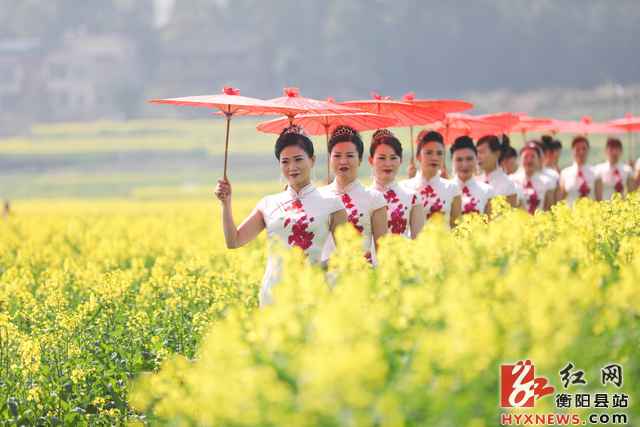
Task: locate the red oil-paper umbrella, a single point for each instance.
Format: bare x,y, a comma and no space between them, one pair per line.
406,113
293,100
443,105
584,126
529,124
323,123
457,124
630,124
230,103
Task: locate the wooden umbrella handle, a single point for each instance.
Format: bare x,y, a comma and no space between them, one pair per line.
226,143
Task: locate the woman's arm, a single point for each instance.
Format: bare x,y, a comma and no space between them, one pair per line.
337,218
379,224
249,228
562,193
548,200
487,207
631,184
512,199
598,189
416,220
456,209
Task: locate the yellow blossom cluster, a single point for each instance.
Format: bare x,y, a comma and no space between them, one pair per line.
114,312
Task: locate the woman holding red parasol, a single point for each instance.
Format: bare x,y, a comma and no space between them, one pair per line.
438,196
405,215
299,216
579,180
366,209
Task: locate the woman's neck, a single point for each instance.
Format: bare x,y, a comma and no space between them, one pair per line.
428,173
342,182
299,186
383,182
491,168
464,179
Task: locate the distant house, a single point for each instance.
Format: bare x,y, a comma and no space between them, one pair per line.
82,76
90,76
19,63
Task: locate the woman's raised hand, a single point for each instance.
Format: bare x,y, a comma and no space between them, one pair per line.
223,191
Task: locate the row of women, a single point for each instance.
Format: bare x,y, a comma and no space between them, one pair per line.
305,216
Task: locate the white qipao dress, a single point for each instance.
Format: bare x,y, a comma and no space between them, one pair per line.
400,201
299,219
359,202
435,194
500,182
579,181
553,175
475,195
614,178
532,190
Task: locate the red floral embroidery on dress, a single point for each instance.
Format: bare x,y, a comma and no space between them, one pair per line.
532,197
300,235
353,214
584,189
470,203
431,199
397,222
619,186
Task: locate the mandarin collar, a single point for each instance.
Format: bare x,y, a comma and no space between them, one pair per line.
467,183
349,188
494,172
303,191
382,188
424,181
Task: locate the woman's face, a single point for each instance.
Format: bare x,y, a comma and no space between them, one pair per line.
344,161
385,163
430,157
509,165
580,152
487,158
530,161
465,163
296,165
613,154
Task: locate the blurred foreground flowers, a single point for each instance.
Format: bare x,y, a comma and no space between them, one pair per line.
139,313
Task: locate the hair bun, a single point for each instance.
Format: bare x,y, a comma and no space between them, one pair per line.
506,142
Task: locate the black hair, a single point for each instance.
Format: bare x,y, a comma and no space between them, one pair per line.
579,139
289,137
614,143
495,145
344,133
547,143
532,145
508,152
425,137
385,137
463,142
